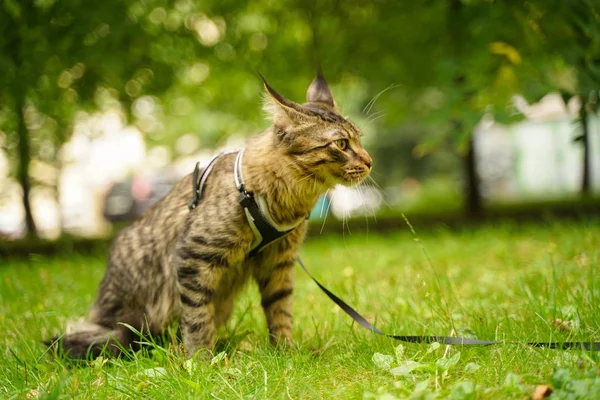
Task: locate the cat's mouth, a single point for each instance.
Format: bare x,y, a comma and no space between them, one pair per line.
355,176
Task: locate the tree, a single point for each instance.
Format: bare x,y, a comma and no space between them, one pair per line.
451,61
583,54
54,55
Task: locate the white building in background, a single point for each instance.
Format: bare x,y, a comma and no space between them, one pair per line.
537,158
102,150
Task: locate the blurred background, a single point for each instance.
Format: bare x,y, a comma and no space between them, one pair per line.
471,109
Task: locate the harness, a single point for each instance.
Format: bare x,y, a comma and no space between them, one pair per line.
264,228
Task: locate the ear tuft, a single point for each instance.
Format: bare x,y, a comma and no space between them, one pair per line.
319,92
283,112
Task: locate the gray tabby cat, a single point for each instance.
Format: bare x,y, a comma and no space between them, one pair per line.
176,264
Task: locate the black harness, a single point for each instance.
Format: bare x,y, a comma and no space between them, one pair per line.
265,232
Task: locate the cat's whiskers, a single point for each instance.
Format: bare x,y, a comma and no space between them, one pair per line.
371,103
320,190
379,115
375,115
323,204
362,201
313,175
362,186
378,189
347,218
327,210
292,162
307,177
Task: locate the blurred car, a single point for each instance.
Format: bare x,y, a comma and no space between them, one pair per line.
127,200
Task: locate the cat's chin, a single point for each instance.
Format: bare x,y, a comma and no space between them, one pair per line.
352,181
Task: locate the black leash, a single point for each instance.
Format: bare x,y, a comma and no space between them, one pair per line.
447,340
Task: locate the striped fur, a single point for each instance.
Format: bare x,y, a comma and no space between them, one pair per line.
174,264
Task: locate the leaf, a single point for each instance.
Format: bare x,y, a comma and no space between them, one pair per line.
507,50
158,353
463,390
382,361
192,384
471,368
158,372
512,380
406,367
444,364
13,8
433,347
218,358
99,362
561,378
422,385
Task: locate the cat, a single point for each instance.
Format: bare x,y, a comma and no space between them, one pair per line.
176,264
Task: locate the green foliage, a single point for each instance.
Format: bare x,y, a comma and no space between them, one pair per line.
188,67
58,54
198,61
575,384
564,38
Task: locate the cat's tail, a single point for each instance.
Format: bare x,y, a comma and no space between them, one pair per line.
89,341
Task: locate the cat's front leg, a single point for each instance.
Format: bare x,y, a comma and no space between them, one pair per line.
276,285
198,274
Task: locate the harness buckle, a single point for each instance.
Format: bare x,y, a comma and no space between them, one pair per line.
245,198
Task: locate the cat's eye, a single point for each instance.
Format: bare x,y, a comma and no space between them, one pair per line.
342,143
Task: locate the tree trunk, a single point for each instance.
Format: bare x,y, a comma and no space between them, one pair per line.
24,158
19,93
58,162
472,190
585,142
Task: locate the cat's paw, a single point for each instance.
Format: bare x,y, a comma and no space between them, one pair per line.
283,342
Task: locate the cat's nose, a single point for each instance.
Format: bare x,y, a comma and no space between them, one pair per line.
366,159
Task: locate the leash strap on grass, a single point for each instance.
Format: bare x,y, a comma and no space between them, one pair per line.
448,340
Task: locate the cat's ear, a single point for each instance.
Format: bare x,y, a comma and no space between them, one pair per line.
284,112
319,92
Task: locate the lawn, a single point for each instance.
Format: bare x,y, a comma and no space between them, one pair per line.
508,282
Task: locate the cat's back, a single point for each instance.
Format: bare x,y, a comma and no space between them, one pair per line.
144,245
165,221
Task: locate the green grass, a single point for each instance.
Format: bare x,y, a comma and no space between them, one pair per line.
506,282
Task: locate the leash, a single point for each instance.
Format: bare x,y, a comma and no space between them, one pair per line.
447,340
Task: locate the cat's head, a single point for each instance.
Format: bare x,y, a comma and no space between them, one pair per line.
317,138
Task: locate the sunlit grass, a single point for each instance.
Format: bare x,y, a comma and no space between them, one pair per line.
506,282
